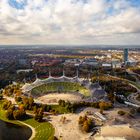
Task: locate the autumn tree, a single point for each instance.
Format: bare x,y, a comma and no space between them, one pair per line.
39,115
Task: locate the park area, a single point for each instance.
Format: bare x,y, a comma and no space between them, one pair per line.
40,131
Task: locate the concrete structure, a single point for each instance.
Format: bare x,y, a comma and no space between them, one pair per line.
96,91
107,66
24,70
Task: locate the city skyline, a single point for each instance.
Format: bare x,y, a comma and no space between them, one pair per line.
70,22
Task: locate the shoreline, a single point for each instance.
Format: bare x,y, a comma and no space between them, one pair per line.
20,123
32,129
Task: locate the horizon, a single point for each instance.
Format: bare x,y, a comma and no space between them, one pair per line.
72,46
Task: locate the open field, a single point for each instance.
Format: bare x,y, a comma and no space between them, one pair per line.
59,87
70,129
53,98
119,131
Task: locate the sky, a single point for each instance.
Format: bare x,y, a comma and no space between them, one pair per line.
70,22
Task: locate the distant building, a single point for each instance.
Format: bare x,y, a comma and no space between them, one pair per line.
128,62
91,62
24,70
125,55
116,63
131,63
73,62
107,66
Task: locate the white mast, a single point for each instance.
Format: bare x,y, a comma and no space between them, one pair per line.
49,72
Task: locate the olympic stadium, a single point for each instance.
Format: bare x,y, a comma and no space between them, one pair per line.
73,89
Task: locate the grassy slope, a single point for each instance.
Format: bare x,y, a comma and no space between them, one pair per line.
44,130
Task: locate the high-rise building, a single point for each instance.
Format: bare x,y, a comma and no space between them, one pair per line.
125,55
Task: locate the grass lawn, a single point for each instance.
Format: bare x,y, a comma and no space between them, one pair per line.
135,84
59,108
63,86
127,94
44,130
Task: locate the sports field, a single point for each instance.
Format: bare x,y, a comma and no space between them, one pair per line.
59,87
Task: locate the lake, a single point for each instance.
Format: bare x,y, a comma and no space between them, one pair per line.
9,131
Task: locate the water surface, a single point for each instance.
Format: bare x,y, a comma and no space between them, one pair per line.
9,131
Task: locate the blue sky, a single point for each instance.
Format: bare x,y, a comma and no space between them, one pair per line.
70,22
21,4
17,4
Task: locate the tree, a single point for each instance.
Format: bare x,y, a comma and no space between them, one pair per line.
86,126
28,102
18,99
101,110
25,102
61,103
6,104
1,96
19,114
111,97
90,122
16,114
39,115
80,120
31,102
9,114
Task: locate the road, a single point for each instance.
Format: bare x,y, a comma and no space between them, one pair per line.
132,97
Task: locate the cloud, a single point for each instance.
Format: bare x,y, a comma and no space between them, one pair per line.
69,22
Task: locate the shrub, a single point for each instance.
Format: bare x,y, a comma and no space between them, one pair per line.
121,112
132,111
138,110
86,124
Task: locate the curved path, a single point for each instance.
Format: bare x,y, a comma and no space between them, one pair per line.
133,98
32,128
135,75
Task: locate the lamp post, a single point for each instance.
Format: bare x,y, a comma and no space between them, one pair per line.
49,72
63,71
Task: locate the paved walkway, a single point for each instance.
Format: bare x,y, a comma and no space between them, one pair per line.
32,128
